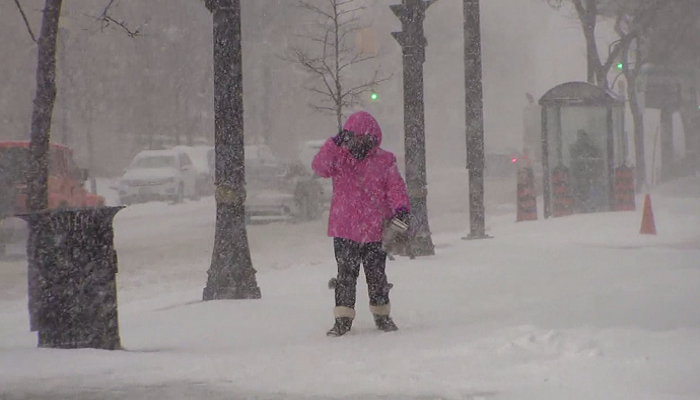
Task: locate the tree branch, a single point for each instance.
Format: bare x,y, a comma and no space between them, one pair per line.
26,21
359,89
332,55
105,19
317,10
640,22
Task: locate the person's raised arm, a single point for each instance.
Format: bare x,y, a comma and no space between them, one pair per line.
325,163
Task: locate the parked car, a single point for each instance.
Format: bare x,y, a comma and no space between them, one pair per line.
65,184
159,175
200,155
282,190
277,189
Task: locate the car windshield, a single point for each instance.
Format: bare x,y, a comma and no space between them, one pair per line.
154,162
14,164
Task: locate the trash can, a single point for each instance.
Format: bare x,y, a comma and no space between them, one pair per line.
72,278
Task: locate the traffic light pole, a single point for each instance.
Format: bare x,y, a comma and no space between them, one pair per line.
474,118
413,42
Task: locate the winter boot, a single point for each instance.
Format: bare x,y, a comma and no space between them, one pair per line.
341,327
382,319
343,321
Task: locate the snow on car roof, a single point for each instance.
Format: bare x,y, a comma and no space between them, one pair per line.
198,155
156,153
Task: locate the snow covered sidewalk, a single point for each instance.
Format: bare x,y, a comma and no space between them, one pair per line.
574,308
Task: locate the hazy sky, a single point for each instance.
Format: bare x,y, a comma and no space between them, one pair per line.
527,47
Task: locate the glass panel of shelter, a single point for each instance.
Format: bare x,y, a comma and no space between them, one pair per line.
620,138
578,140
584,150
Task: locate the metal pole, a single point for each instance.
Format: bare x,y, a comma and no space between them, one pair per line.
474,119
231,275
413,43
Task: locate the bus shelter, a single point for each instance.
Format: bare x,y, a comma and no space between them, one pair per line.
584,151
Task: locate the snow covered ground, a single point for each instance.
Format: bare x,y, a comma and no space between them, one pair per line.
581,307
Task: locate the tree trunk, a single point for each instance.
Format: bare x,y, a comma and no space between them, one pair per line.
38,175
231,275
631,77
474,118
44,101
588,16
602,78
339,116
592,56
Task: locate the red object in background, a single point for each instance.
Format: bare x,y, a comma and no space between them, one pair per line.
648,224
65,187
562,201
526,197
624,189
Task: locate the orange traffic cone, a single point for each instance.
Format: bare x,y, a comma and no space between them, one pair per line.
648,225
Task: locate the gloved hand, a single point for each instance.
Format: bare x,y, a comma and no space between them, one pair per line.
343,138
403,215
401,220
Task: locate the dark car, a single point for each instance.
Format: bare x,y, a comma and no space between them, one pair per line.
277,189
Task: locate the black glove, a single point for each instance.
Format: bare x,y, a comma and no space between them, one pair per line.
403,215
401,220
343,138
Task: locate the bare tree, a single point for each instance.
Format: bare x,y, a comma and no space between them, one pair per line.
590,11
46,91
672,44
632,20
632,60
231,275
328,55
632,75
642,19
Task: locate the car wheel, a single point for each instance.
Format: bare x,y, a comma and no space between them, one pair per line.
180,196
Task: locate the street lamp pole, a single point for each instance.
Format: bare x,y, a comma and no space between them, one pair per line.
413,43
474,118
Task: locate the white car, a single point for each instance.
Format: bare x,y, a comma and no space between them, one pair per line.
159,175
199,155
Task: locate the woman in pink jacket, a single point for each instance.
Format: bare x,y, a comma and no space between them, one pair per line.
367,190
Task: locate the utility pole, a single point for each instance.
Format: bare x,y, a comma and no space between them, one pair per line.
231,275
475,119
413,43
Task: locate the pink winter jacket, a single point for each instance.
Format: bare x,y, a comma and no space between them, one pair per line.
365,192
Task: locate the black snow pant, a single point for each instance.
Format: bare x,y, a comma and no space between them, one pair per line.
350,255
